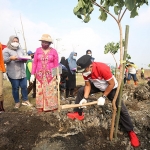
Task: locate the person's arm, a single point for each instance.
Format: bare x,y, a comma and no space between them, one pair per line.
87,89
111,84
7,57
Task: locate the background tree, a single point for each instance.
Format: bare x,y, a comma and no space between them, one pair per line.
113,48
85,7
128,57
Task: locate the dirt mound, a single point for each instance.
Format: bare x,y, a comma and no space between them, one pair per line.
27,130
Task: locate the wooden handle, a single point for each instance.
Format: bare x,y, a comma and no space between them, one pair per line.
77,105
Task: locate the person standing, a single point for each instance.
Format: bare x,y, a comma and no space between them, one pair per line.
132,73
16,70
45,59
2,70
89,52
98,78
142,73
63,61
71,82
31,86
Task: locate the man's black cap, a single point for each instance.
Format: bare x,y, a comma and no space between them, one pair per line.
83,62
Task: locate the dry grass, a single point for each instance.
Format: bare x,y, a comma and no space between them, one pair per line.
9,101
79,79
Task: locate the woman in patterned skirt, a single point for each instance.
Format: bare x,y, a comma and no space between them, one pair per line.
45,59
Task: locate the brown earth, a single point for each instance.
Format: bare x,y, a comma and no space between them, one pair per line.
25,129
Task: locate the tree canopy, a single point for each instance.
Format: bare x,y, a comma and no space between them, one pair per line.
84,8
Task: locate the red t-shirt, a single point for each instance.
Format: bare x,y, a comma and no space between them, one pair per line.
101,73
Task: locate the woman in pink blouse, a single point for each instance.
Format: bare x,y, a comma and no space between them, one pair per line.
45,59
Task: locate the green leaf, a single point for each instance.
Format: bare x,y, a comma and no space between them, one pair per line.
87,19
83,11
130,4
103,16
75,10
79,16
81,3
120,3
101,2
116,10
90,10
128,57
134,13
111,47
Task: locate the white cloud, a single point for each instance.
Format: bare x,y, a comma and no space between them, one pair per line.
78,40
10,24
143,17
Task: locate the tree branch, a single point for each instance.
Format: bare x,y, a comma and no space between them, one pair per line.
119,14
114,58
122,15
104,10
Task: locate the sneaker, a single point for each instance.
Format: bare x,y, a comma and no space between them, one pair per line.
134,139
26,103
2,111
75,115
17,105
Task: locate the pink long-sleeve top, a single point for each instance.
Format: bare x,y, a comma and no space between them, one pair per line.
43,63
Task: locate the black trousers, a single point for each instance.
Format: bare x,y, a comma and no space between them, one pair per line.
125,119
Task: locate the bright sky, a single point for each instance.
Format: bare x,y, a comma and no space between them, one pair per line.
70,33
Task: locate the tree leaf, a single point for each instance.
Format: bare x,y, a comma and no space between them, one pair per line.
79,16
130,4
134,13
91,9
103,16
116,10
83,11
87,19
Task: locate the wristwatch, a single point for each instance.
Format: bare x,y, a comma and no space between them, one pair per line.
104,96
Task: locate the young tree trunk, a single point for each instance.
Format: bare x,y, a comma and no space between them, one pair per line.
122,84
119,84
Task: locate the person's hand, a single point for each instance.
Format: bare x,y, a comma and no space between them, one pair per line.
101,101
13,57
32,78
83,101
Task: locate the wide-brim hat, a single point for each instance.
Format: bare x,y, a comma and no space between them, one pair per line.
83,62
46,37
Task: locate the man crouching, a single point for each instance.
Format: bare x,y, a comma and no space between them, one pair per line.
98,78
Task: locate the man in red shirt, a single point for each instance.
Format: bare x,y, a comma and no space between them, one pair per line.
98,78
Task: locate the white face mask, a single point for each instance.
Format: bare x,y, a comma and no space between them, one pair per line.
15,44
86,73
74,57
90,54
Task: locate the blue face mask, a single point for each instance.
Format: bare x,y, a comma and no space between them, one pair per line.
74,57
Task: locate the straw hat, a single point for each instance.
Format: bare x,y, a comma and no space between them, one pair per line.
46,37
